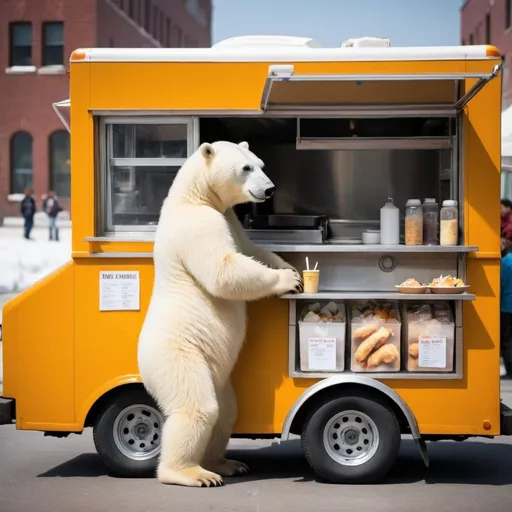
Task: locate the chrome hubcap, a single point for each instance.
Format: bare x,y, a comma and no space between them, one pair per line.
137,431
351,438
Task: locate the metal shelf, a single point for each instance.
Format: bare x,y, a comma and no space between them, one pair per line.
377,296
380,375
362,248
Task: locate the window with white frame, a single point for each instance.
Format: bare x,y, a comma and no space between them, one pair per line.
142,159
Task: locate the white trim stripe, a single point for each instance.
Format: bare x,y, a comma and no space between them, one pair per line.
281,54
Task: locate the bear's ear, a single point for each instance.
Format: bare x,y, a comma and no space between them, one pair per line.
207,150
244,145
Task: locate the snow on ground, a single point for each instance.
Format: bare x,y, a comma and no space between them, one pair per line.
24,262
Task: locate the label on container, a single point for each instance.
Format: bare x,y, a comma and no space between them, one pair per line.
322,353
432,352
120,290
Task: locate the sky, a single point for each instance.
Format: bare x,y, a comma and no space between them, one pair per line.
406,22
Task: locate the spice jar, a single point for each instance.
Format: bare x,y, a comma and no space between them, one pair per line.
430,221
413,222
449,223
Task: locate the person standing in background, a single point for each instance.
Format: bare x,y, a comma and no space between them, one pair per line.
52,208
28,210
506,310
506,219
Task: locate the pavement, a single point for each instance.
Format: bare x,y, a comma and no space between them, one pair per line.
39,474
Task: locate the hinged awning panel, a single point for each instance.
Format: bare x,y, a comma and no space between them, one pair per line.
285,90
63,111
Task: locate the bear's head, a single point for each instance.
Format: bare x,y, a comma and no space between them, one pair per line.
235,174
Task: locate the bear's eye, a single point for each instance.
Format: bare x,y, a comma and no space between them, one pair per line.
247,168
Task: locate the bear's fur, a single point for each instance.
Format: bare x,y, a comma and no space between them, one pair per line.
206,268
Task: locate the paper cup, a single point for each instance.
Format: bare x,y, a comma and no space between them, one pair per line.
311,278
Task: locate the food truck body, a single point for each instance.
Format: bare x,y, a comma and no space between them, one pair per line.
340,130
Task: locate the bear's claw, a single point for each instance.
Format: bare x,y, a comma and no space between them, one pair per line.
194,476
229,467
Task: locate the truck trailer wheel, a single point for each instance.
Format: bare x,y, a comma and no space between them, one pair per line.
127,434
351,439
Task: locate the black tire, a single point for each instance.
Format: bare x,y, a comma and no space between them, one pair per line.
384,456
104,429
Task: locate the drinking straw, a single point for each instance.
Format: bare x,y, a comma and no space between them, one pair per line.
307,263
316,265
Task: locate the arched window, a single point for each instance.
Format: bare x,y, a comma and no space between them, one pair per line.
21,162
60,170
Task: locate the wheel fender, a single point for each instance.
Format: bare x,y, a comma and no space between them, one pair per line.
361,381
102,390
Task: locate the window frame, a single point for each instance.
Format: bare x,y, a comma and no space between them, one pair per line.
12,160
45,45
12,27
107,162
51,162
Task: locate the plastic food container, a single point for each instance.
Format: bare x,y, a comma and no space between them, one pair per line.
413,222
449,223
430,334
430,222
322,328
375,331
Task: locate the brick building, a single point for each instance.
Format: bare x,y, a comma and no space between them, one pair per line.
490,22
36,39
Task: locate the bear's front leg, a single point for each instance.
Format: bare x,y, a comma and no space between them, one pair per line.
215,452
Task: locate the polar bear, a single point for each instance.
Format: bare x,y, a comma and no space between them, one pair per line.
206,268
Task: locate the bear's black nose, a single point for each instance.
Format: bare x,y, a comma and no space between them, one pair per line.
269,192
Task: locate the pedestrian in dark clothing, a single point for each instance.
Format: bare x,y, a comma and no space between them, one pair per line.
506,219
52,208
28,210
506,311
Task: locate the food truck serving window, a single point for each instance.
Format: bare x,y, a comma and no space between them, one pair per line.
140,160
286,90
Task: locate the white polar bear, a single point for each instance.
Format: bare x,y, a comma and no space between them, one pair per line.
205,269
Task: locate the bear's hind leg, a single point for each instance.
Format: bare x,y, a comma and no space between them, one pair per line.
187,430
215,459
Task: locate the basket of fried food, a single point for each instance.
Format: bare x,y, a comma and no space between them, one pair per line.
448,285
375,338
412,287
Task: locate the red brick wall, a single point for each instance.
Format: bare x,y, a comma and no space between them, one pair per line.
26,100
473,14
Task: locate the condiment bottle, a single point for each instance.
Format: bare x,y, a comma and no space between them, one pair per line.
430,222
413,222
389,224
449,223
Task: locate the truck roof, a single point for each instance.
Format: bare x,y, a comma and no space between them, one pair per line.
285,53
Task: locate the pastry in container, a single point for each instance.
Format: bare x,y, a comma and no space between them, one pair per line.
322,327
375,337
430,335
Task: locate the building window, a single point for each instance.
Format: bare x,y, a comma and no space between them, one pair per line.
167,41
20,36
60,170
141,162
53,43
21,162
488,28
147,16
508,13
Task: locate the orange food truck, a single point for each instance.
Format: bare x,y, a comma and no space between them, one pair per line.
386,163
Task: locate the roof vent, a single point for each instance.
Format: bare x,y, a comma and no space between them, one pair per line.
259,41
367,42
